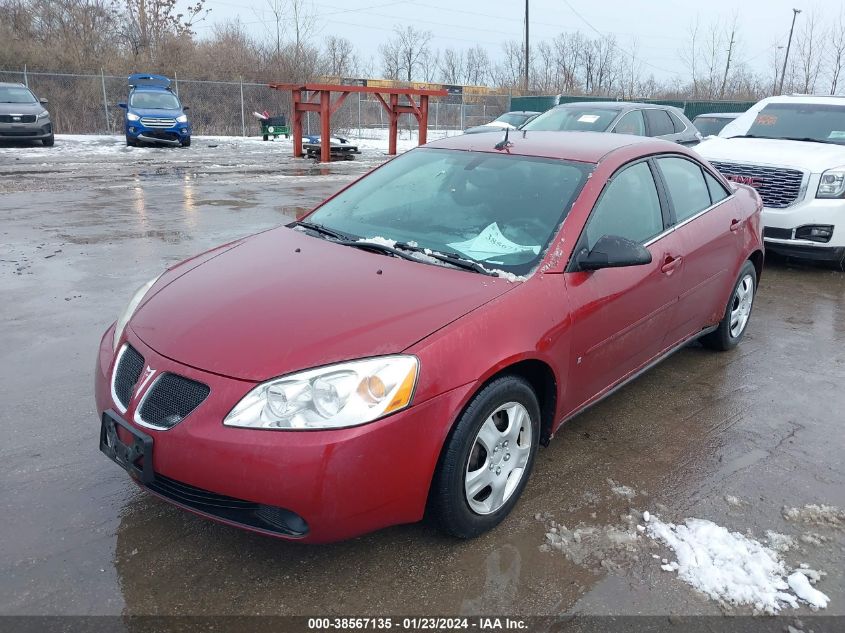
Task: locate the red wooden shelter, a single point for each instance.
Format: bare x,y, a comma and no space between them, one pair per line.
318,98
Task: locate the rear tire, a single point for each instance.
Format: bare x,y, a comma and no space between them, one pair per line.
732,327
49,141
264,138
487,459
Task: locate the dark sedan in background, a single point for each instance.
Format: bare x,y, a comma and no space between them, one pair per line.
711,124
23,116
640,119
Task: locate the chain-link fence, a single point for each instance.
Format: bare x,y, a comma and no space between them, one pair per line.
88,104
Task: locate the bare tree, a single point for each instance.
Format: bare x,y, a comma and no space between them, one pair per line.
406,54
477,69
731,40
452,68
149,23
836,51
340,58
809,52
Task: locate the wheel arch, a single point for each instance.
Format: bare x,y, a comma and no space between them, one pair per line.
756,258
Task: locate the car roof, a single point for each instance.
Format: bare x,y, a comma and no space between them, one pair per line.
586,147
616,105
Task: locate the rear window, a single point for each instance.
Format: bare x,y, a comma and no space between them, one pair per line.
659,123
710,125
574,118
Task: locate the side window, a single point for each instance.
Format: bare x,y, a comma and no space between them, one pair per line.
659,122
631,123
629,207
687,188
680,126
717,191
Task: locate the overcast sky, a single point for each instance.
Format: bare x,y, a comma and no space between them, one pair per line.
658,26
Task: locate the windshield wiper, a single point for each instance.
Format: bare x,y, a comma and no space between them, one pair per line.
449,258
377,247
753,136
319,228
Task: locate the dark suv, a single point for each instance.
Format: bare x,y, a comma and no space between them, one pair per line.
23,116
622,117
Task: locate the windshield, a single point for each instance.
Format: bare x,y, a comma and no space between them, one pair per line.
574,118
497,209
710,125
819,122
514,119
155,100
16,94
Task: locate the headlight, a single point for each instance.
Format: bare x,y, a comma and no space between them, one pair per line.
129,310
832,183
182,118
42,115
131,116
346,394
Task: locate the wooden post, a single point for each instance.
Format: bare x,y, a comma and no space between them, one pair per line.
423,120
297,123
325,126
394,124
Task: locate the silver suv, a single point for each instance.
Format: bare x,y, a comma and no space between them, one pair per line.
23,117
622,117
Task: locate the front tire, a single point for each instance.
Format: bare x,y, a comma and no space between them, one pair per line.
737,313
186,142
487,459
49,141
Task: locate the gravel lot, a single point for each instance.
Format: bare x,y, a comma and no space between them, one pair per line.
737,438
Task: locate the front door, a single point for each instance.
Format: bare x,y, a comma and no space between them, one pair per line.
620,315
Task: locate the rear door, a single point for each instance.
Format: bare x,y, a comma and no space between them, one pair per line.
620,315
705,219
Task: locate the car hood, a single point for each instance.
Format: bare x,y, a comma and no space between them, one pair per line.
804,156
169,112
282,301
21,108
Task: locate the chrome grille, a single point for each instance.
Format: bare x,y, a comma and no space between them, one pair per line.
779,188
170,399
158,122
126,374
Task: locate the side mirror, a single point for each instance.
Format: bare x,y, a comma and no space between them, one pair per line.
612,251
43,101
186,108
122,105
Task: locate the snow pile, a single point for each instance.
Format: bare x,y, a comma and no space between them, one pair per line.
779,542
732,568
824,515
622,491
587,545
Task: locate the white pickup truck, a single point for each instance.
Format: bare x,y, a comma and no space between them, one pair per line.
792,150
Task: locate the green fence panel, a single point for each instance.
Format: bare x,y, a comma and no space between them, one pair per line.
691,108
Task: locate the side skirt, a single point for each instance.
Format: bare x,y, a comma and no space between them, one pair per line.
633,376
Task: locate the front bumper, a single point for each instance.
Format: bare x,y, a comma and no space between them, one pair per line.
783,228
26,131
174,135
342,482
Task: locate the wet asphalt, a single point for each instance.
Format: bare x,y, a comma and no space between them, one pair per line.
733,437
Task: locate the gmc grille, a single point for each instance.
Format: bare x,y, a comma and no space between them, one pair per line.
779,188
126,375
157,122
170,399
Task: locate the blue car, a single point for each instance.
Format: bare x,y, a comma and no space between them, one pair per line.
154,113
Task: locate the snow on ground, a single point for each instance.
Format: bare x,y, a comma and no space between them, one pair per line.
815,514
732,568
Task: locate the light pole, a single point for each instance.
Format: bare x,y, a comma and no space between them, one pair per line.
525,78
795,13
776,64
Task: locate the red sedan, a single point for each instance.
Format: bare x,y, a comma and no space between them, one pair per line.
408,345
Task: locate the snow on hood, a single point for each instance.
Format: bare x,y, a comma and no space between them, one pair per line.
283,301
805,156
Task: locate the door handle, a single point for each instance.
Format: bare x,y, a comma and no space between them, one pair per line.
736,225
670,264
